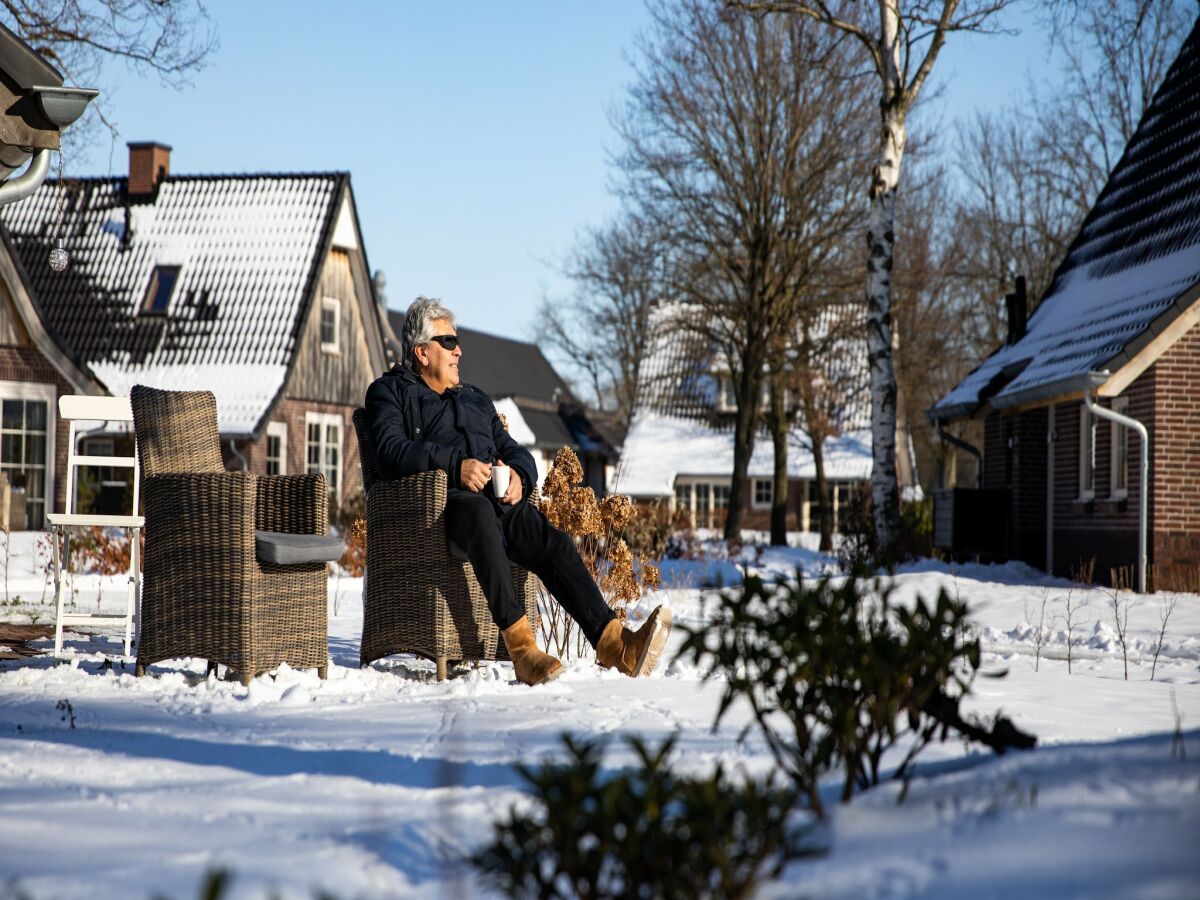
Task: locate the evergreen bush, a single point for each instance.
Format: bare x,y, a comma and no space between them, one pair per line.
641,833
836,675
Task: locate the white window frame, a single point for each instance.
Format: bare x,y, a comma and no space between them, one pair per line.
324,420
726,390
334,346
279,430
755,503
689,484
1118,451
32,390
1087,454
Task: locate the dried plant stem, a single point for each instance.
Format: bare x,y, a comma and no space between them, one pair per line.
1074,606
1120,599
1166,606
1040,636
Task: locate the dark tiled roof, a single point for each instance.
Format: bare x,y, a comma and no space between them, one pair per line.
247,246
1134,264
547,426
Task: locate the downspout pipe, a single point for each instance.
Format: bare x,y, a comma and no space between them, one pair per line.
233,448
963,445
28,181
1144,479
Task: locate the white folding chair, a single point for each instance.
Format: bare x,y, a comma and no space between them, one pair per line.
75,408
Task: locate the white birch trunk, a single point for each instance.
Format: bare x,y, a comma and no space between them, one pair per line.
881,241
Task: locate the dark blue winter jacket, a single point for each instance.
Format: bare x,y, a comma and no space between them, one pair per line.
416,430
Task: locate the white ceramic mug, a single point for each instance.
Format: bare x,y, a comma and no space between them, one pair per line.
500,475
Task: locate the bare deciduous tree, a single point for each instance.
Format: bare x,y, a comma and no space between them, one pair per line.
170,38
723,120
603,332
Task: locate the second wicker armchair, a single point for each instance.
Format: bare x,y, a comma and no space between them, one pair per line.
205,591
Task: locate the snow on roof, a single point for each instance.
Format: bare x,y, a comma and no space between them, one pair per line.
1135,257
246,246
660,448
242,391
680,376
518,428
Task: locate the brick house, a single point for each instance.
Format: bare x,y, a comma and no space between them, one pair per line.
1119,325
679,446
255,287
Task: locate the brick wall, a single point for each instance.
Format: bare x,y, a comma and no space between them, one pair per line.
1014,458
1175,473
1103,527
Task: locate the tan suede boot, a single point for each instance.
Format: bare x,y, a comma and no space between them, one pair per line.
531,664
634,653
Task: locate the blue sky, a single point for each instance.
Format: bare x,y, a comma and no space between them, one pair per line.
476,133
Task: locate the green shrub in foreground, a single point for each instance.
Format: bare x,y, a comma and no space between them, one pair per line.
836,675
641,833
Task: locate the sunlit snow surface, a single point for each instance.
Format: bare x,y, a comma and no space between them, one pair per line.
373,783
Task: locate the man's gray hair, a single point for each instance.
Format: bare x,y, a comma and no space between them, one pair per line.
418,325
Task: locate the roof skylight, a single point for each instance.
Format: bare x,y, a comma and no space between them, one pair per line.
158,293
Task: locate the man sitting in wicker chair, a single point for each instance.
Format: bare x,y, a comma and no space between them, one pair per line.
422,418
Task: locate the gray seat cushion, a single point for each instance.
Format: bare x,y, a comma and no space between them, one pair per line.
290,549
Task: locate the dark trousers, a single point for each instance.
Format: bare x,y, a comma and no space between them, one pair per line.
490,535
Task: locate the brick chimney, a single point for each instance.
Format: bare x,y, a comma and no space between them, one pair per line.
149,163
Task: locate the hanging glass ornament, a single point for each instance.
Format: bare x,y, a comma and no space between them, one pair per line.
59,258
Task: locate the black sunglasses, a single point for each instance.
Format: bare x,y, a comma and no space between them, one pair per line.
447,341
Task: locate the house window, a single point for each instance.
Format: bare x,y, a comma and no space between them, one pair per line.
323,448
276,448
1087,454
707,500
25,448
720,496
1119,477
683,497
703,504
100,447
726,394
331,313
158,292
762,493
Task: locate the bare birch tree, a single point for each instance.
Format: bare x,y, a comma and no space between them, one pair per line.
901,40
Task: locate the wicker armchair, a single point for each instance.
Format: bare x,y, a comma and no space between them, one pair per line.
205,593
418,598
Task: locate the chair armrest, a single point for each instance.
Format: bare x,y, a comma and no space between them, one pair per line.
415,501
295,504
209,512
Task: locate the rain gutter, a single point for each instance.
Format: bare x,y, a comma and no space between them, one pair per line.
962,445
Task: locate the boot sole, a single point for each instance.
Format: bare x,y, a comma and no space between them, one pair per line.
547,678
654,647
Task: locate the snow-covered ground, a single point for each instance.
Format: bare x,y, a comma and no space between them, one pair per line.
374,783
